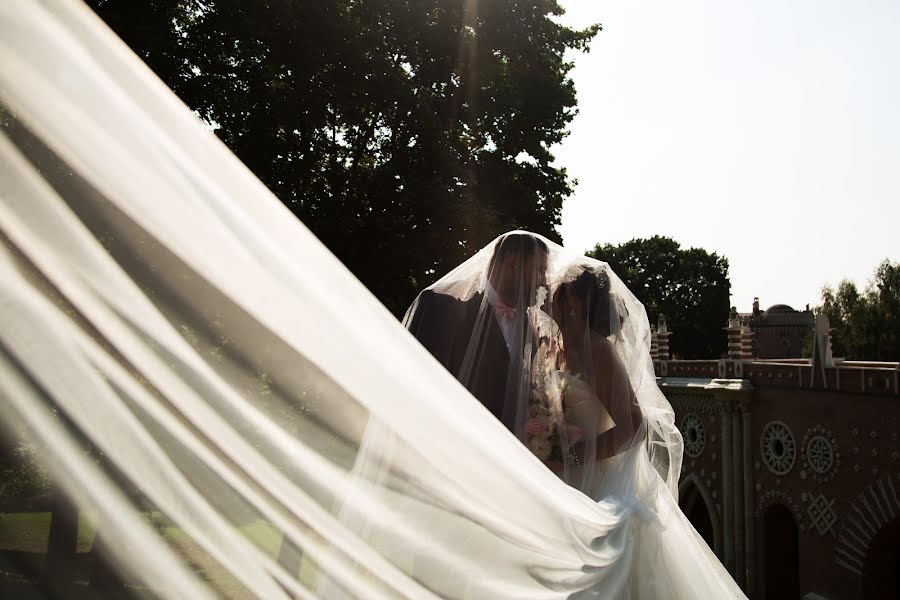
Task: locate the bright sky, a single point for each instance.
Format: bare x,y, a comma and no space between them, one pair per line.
766,131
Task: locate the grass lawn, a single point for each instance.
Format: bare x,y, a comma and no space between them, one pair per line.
27,533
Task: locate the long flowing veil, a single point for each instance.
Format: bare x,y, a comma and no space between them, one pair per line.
235,413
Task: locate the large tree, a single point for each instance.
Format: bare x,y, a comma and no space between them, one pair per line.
866,326
404,134
690,286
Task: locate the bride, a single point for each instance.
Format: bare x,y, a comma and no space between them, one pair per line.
597,397
267,429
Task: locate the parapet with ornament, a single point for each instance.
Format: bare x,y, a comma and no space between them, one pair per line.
821,372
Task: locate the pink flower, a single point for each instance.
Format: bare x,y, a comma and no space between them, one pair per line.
537,427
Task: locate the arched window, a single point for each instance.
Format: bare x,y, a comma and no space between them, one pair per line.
780,562
881,574
785,348
698,515
697,504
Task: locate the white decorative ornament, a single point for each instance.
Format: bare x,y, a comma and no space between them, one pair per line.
779,450
821,513
820,454
869,514
694,435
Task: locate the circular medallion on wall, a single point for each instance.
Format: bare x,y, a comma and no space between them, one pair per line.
819,451
694,435
779,450
819,454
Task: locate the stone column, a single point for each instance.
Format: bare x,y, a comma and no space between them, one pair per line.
737,463
749,548
727,482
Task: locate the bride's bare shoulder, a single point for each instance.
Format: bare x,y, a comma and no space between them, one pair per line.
603,353
600,345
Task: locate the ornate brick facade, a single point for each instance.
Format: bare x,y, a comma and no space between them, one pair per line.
792,471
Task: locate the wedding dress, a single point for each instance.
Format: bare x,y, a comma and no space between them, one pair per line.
575,384
237,413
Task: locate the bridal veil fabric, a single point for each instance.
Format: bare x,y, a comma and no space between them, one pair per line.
238,414
557,348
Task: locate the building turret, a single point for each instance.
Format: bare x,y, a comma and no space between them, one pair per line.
662,338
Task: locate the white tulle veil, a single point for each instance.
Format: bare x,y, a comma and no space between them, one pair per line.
238,414
519,366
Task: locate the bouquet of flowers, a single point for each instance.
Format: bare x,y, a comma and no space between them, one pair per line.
550,435
561,413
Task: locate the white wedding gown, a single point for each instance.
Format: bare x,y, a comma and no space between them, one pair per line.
161,309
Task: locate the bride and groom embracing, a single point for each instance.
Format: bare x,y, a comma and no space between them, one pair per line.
540,338
555,346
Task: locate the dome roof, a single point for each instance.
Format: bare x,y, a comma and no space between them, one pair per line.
779,308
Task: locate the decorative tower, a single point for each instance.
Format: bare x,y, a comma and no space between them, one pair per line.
662,339
735,342
746,341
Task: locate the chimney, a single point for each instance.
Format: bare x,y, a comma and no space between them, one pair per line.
755,306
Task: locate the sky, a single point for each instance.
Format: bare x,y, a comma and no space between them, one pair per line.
767,132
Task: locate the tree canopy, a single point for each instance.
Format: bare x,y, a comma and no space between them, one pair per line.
405,135
865,326
690,286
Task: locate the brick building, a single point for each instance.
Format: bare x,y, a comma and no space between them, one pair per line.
779,331
792,468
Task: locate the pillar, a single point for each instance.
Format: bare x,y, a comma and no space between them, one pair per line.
749,547
737,466
727,483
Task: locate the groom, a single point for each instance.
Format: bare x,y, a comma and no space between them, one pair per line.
484,341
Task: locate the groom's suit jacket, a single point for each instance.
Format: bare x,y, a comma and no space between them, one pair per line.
446,326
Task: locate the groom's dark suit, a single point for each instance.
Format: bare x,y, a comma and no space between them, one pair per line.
447,327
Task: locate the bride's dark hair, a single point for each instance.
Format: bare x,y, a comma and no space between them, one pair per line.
590,283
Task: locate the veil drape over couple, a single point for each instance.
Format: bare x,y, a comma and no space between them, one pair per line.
242,418
557,349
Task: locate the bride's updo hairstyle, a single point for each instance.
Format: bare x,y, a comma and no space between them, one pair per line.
589,283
